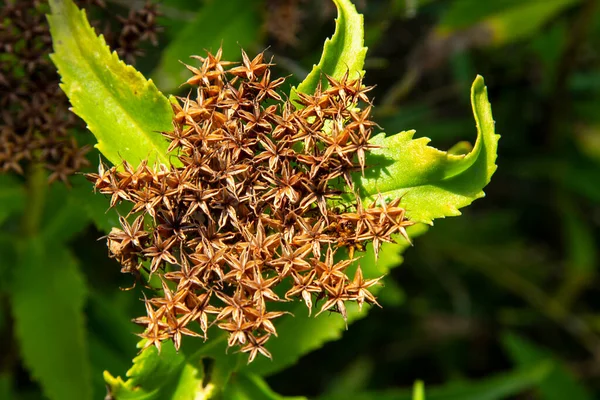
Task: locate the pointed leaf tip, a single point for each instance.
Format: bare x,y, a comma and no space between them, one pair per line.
123,110
343,52
433,183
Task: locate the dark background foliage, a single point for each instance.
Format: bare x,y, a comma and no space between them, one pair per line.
517,272
511,282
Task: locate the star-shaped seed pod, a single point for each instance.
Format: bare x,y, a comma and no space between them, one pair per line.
259,210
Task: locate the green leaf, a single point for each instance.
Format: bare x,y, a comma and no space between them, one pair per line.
6,386
343,52
559,383
123,110
580,248
497,387
12,196
418,391
407,9
163,376
8,258
252,387
504,21
433,183
355,376
48,296
233,24
300,334
64,213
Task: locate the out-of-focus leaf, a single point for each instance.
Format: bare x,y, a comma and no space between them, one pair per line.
525,20
123,110
581,252
163,376
6,386
409,9
391,295
48,295
103,357
497,387
300,333
112,338
233,24
587,82
581,177
252,387
343,52
12,196
504,20
418,391
433,183
354,378
96,205
8,258
64,214
548,46
588,141
107,319
558,382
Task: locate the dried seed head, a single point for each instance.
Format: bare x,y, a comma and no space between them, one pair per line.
35,120
258,201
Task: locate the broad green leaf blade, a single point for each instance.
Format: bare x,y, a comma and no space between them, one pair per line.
499,387
48,296
123,110
559,383
433,183
12,196
252,387
233,24
300,334
163,376
343,52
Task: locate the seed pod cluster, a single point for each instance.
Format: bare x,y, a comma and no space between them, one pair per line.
261,197
139,27
35,119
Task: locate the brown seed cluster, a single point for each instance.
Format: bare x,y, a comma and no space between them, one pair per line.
264,196
139,27
35,119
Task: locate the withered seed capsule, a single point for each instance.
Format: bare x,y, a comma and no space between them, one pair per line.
256,202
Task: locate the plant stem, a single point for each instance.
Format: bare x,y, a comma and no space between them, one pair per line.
37,186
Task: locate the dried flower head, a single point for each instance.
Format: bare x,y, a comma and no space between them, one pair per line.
264,194
35,119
